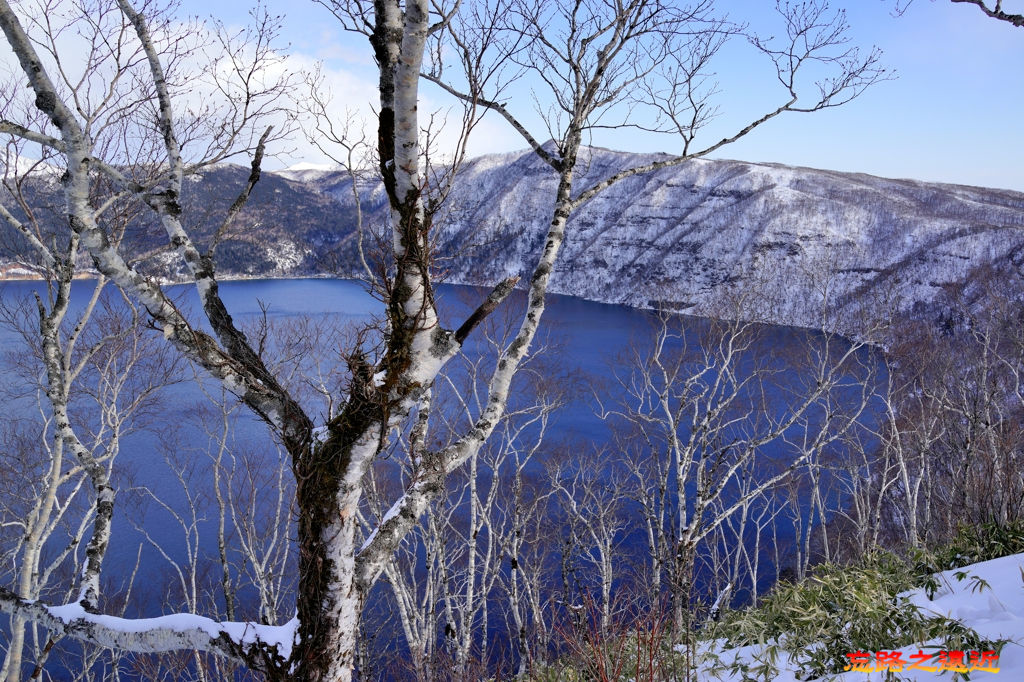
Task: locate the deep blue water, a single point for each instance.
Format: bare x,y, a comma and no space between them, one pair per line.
587,342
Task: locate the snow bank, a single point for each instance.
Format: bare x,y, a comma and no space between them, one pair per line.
987,597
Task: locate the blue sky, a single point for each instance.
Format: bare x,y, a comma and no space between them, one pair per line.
952,114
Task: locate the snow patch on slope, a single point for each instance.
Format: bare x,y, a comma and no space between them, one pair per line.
307,172
285,255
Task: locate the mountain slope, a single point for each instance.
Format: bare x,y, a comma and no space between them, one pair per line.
713,238
697,236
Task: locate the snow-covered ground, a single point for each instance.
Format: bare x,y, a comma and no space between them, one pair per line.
987,597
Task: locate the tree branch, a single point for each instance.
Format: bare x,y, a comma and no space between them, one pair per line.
500,108
243,197
11,128
242,642
493,300
995,12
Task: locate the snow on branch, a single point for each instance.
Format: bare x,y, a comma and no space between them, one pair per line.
243,642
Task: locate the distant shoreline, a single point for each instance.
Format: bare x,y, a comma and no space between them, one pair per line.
17,272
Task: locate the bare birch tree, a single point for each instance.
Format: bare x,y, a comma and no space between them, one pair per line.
592,57
451,580
949,444
705,409
94,374
337,565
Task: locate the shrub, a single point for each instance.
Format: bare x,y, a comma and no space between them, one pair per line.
972,544
837,611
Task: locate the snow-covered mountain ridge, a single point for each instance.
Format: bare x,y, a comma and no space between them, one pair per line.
718,238
711,238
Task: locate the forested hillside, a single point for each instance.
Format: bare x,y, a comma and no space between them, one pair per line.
689,238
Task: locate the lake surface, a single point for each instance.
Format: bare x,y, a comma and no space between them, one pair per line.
591,343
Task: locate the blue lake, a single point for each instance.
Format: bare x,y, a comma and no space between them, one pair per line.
588,342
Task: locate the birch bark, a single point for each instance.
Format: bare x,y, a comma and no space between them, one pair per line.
338,561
